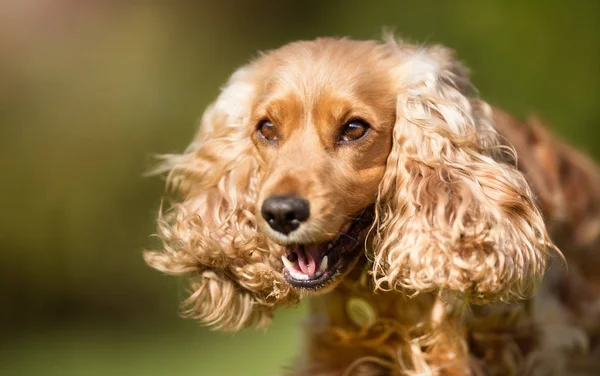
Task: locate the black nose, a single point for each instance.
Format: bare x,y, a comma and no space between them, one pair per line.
285,213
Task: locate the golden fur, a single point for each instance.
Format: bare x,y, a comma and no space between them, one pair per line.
457,245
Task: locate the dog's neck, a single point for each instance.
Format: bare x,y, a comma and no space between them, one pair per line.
355,305
356,322
399,331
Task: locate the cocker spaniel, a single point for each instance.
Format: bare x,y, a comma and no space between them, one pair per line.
418,219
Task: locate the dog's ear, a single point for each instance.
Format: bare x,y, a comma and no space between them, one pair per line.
453,212
210,232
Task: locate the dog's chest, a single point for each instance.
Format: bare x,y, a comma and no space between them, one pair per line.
356,313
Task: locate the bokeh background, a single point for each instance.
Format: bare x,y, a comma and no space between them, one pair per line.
89,90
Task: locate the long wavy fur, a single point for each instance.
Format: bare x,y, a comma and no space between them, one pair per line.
452,212
210,234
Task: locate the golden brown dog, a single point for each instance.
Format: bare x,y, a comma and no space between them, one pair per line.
367,176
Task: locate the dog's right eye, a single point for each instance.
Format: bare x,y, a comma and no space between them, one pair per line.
267,130
353,130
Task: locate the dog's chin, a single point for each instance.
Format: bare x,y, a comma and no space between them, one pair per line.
319,267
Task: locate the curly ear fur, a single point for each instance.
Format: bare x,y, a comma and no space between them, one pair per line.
210,234
453,212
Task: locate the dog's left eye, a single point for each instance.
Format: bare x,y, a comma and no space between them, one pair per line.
267,130
353,130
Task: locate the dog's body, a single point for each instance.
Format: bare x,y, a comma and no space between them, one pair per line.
365,174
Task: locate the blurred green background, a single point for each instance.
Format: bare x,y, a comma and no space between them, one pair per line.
89,90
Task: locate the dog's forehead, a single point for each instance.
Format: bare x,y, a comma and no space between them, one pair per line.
324,66
322,84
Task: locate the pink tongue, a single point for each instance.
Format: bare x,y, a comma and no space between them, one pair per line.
309,257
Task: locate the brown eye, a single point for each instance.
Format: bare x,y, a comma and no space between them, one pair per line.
267,130
353,130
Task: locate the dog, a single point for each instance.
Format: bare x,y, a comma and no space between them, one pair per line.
429,230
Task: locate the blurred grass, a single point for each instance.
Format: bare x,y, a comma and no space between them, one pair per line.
89,90
152,350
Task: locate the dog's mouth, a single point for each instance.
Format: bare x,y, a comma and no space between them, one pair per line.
316,265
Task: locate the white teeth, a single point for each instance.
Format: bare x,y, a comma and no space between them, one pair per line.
323,266
298,275
287,263
291,268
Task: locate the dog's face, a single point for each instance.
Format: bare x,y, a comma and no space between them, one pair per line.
314,145
322,128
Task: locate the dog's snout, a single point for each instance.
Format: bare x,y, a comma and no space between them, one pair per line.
285,213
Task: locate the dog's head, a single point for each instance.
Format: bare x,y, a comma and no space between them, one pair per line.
323,152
